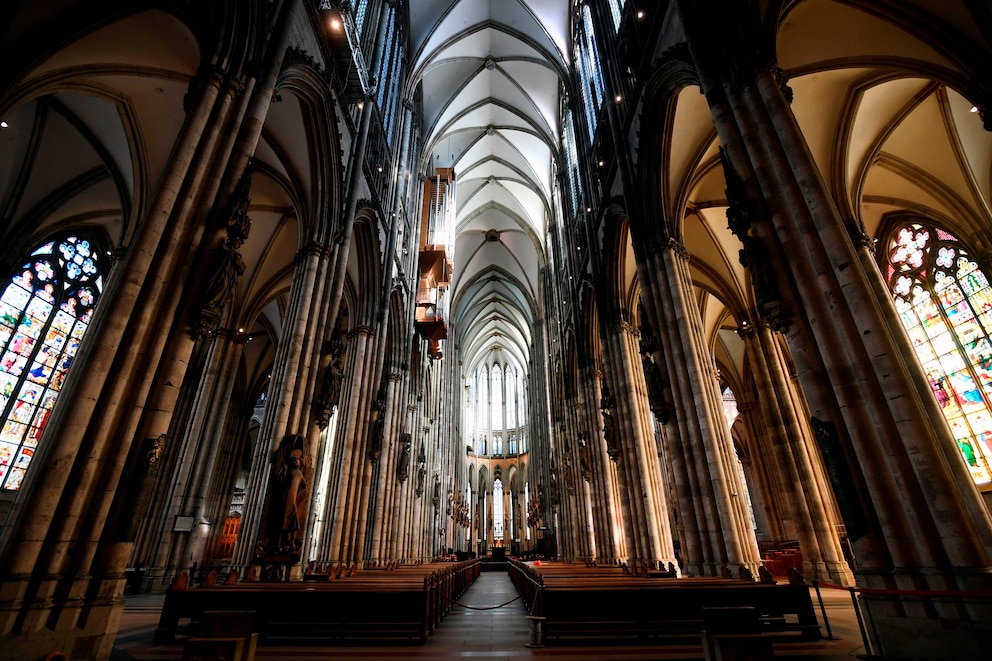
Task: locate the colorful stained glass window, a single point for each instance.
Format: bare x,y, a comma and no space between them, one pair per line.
44,312
945,303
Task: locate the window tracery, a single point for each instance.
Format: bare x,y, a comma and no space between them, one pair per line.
44,312
945,303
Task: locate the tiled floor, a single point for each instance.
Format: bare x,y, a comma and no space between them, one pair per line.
489,622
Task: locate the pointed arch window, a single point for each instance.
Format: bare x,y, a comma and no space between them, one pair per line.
361,11
497,398
511,398
945,303
45,310
572,164
498,510
590,72
616,12
483,406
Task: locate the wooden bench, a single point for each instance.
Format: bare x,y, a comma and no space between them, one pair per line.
577,602
402,604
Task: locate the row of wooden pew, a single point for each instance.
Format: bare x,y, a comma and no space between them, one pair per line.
582,602
405,602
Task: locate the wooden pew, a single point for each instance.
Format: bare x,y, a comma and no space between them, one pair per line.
405,603
597,603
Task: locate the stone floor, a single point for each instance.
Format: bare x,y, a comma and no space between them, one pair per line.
489,622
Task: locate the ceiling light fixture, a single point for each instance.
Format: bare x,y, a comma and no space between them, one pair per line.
973,109
4,125
640,14
618,98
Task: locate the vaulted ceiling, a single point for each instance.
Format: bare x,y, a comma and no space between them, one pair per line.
491,73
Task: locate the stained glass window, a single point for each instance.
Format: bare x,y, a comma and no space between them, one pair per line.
616,11
497,398
945,303
590,72
44,312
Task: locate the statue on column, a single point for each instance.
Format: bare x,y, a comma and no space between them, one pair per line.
658,400
743,213
286,490
403,464
330,379
375,428
606,404
421,470
227,264
584,469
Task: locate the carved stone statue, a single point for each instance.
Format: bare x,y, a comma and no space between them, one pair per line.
421,470
657,399
227,264
330,381
375,429
226,269
287,486
293,484
584,469
403,463
610,434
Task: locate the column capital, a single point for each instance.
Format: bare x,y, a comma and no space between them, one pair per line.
746,330
781,79
678,249
311,249
364,329
625,327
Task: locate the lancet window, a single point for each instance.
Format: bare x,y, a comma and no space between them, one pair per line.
497,409
45,310
945,304
590,71
616,11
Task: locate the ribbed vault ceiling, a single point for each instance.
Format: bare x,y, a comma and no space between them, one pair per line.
490,72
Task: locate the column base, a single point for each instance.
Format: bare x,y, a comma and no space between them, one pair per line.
837,573
80,633
901,629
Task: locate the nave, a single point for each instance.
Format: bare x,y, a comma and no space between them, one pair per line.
692,286
487,622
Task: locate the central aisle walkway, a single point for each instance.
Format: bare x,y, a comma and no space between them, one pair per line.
474,629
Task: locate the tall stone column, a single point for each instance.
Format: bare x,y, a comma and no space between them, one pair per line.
791,443
290,396
166,550
73,532
913,514
350,460
387,476
776,514
715,522
649,532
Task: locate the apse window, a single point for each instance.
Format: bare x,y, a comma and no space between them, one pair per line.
945,303
44,311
